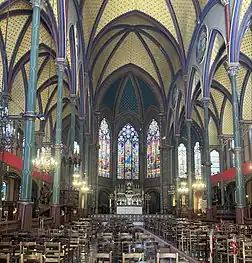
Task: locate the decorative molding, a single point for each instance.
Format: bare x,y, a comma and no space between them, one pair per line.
233,68
38,3
224,2
60,64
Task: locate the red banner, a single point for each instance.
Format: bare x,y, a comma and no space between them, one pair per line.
17,163
230,173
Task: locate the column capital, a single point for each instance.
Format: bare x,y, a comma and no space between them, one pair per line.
233,68
38,3
185,77
161,114
189,121
60,64
224,2
81,118
86,75
206,101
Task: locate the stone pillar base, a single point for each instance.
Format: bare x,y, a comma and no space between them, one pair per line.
240,215
25,215
209,213
190,213
55,214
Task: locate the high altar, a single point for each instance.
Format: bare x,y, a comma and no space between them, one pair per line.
129,199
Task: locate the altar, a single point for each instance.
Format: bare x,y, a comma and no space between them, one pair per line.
129,199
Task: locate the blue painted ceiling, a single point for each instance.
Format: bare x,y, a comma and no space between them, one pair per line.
129,100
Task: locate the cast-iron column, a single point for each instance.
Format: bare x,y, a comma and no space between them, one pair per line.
176,171
189,168
233,69
55,207
25,205
161,115
207,160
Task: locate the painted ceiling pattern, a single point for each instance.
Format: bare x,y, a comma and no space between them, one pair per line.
154,36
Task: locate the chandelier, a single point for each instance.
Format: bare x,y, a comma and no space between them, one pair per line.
7,131
199,185
44,160
183,189
81,185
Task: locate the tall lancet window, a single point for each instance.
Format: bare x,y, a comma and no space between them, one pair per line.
128,153
182,161
153,152
197,160
215,160
104,149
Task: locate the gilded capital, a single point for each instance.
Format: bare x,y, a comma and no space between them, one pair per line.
38,3
233,68
60,64
224,2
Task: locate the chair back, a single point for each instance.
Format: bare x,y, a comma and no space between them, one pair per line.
101,257
167,256
126,257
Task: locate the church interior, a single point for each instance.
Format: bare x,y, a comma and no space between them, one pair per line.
126,131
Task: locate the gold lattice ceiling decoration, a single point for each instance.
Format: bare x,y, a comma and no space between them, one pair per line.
159,13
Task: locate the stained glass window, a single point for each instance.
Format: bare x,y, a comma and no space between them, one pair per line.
128,153
197,160
182,161
215,160
153,152
4,191
104,149
233,155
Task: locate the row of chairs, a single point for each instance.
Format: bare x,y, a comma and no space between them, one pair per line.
128,257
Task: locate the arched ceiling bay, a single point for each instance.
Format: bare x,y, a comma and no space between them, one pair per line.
15,31
153,35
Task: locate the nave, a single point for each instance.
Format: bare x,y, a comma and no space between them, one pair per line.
118,239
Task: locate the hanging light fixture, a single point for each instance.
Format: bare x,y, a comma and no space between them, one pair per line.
183,189
199,185
44,160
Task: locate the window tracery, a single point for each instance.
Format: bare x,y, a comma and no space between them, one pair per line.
128,153
104,149
153,151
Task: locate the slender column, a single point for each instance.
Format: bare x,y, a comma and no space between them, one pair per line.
72,127
83,203
96,152
221,170
161,115
166,178
240,190
55,207
207,159
176,174
25,205
189,167
170,179
142,158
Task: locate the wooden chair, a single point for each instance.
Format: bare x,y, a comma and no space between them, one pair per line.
169,256
53,252
29,252
126,257
101,257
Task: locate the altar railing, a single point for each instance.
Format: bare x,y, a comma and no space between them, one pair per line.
133,218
